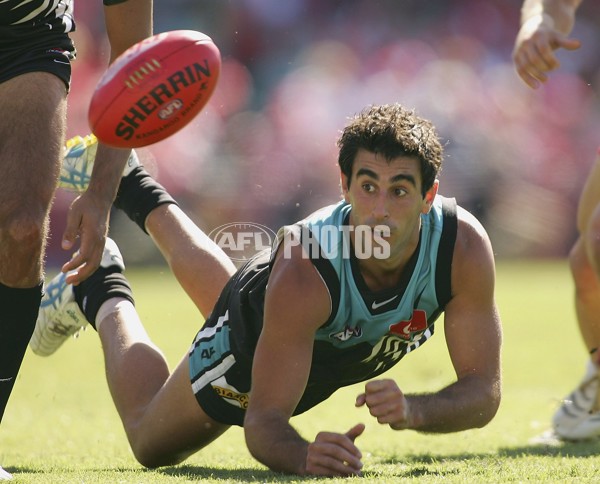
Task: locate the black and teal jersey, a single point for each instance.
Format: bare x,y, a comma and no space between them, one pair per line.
367,332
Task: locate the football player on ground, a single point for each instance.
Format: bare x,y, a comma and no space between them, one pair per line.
341,297
545,28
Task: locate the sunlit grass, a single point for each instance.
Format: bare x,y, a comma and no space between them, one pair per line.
61,425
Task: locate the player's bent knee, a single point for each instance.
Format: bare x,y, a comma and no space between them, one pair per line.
584,276
152,458
578,261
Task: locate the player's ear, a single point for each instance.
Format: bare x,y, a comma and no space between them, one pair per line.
345,184
430,196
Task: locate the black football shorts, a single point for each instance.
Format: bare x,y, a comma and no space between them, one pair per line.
35,48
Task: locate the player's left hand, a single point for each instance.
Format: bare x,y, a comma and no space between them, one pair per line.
87,220
386,403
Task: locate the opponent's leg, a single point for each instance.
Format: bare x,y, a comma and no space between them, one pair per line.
578,416
587,295
582,257
32,135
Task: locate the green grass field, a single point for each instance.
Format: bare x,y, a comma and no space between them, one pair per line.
60,425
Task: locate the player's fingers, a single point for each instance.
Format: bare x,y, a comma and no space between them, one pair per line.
542,57
568,44
528,72
333,454
360,400
83,263
71,231
374,387
72,269
355,431
324,465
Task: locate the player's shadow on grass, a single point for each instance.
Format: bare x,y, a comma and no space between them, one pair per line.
427,465
413,466
196,473
590,448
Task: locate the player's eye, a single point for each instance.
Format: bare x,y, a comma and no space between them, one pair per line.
368,187
400,192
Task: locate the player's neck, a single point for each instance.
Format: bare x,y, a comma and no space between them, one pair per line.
381,274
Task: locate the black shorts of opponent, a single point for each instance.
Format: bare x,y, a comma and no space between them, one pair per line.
36,47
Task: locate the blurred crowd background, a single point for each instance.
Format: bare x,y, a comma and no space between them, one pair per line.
263,151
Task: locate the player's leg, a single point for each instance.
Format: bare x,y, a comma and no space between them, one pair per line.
578,417
160,414
586,279
32,131
199,264
587,295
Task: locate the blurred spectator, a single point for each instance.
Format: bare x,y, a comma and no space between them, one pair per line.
261,151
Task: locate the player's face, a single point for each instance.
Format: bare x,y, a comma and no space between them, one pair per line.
388,194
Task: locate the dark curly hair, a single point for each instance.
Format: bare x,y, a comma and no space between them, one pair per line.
392,131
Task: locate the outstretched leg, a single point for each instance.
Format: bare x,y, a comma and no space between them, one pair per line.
162,419
199,264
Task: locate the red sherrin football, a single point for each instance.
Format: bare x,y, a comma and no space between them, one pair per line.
154,88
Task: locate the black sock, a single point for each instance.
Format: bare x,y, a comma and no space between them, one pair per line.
19,312
102,285
139,194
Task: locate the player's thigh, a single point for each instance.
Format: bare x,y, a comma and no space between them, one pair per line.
174,425
590,197
32,130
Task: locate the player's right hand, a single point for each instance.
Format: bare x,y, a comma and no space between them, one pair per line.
535,52
333,454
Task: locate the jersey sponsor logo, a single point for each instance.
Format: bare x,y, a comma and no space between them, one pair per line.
347,333
416,324
377,305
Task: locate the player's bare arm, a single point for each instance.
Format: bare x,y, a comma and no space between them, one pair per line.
126,24
545,28
473,336
296,304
